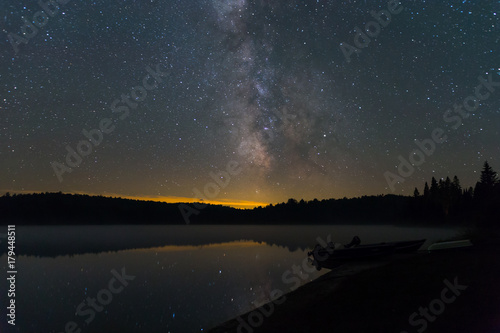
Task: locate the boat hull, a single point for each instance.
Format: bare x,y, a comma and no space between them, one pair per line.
328,258
466,243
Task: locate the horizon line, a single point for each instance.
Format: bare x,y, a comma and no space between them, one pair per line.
234,203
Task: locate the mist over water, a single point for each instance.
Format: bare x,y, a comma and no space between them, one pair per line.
186,278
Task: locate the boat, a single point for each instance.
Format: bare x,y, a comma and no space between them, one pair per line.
331,257
450,245
406,246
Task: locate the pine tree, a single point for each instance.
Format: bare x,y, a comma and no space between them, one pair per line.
426,190
456,193
434,189
488,177
467,194
487,196
456,185
446,197
485,187
441,184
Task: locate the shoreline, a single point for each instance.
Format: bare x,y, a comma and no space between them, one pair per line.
391,297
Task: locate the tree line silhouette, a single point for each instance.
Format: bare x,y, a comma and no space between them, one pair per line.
446,200
443,202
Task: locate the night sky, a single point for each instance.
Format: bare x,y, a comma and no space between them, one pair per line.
180,90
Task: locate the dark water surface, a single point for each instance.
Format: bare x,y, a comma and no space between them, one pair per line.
164,278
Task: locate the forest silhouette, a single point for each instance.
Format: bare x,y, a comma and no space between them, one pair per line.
444,202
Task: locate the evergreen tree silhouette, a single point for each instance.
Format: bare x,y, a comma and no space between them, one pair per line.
488,176
426,191
434,189
488,181
487,197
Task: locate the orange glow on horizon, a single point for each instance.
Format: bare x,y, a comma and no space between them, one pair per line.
240,204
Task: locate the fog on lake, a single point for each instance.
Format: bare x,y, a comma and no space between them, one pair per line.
167,278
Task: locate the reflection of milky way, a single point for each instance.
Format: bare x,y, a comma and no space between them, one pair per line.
276,116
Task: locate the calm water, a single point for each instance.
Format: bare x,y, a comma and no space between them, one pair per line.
170,278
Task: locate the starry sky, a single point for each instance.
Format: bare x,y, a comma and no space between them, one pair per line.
182,90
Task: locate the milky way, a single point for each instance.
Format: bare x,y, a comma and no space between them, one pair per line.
285,126
262,83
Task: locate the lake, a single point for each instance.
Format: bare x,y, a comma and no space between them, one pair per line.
165,278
